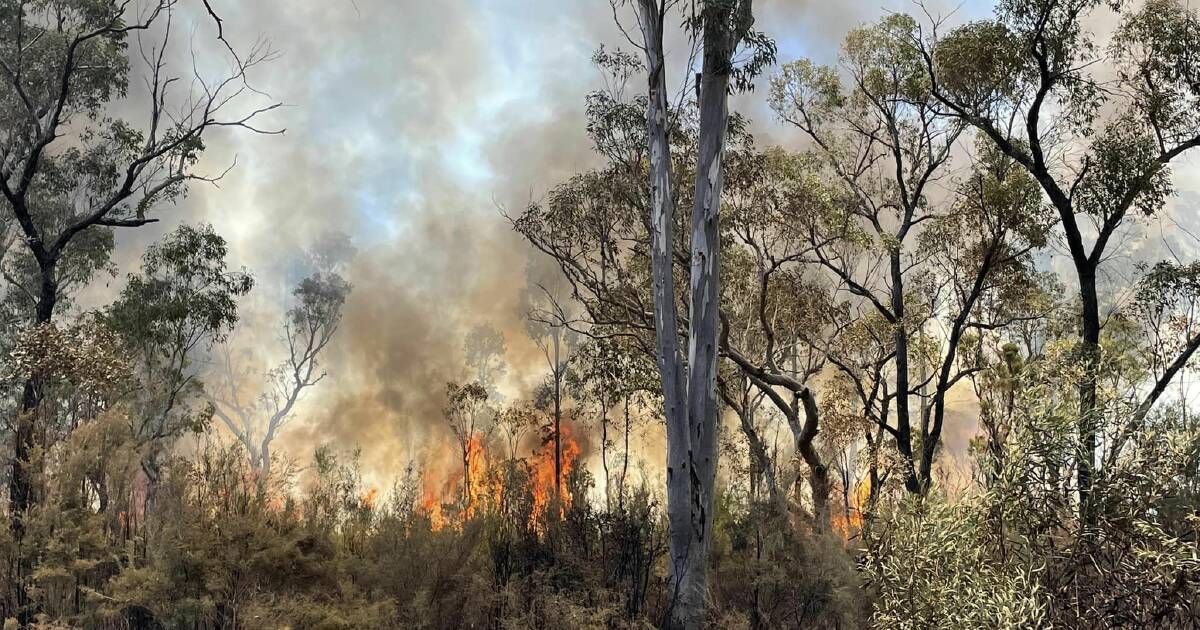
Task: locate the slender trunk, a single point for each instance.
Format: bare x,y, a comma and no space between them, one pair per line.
760,461
818,472
685,608
557,415
21,479
604,454
466,464
875,480
20,489
846,481
903,423
1089,411
624,462
262,467
691,557
931,438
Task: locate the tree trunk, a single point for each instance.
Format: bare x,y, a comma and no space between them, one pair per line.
1089,411
690,405
604,454
689,549
557,415
818,472
466,463
624,462
21,479
685,607
20,489
903,422
760,461
264,465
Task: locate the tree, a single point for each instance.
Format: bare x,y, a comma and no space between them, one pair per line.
484,349
1026,80
690,399
183,301
71,171
883,236
778,317
606,372
467,415
514,423
547,323
307,329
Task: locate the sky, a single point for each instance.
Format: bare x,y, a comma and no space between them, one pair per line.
409,124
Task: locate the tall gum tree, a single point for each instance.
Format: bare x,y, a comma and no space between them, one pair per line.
1030,81
689,389
68,169
618,243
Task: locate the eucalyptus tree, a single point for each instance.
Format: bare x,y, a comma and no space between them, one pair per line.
182,302
688,389
471,424
779,318
484,349
70,171
548,324
609,373
1096,127
594,381
307,329
893,240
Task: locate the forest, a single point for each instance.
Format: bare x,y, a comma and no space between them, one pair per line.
894,335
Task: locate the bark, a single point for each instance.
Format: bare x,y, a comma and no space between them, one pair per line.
557,414
624,461
651,15
21,479
20,489
604,454
690,401
804,434
903,421
1089,411
931,436
264,464
818,472
466,464
761,468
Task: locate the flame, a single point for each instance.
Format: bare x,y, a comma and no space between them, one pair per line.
451,493
431,506
445,499
367,500
477,476
542,477
846,525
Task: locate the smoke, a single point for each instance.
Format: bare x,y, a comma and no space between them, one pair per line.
408,124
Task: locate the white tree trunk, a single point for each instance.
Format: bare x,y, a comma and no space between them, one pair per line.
690,405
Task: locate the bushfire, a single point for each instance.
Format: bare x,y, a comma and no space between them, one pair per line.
849,522
480,482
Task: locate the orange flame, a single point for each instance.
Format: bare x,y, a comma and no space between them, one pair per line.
367,500
431,506
847,524
542,477
446,499
476,476
452,493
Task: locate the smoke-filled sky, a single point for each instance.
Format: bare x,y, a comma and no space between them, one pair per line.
408,123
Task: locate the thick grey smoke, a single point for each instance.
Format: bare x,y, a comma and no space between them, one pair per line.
407,124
